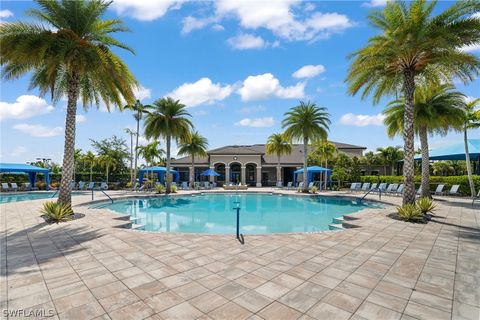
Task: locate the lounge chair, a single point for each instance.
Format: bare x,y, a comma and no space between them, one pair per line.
374,186
289,185
5,186
300,185
354,186
454,190
14,186
392,188
399,190
382,187
81,185
27,186
214,185
103,186
476,198
91,185
279,184
206,185
439,191
366,186
72,185
184,185
419,191
310,186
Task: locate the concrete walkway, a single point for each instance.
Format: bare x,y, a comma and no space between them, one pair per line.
386,269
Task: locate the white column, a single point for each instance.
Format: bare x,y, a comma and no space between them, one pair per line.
243,175
259,176
212,178
227,174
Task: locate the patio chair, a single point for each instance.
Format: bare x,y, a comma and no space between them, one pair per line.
91,185
81,185
419,191
399,191
206,185
5,186
454,190
476,198
214,185
14,186
354,186
27,186
184,185
392,188
289,185
103,186
300,185
374,186
366,186
439,191
72,185
310,186
382,187
279,184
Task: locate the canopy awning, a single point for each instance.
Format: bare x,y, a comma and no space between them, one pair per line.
455,151
26,169
311,171
160,171
210,173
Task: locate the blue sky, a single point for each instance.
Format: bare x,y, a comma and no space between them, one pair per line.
238,65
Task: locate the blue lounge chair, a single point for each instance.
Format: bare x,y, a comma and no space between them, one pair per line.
300,185
439,191
14,186
5,186
91,185
392,188
81,185
310,186
399,190
289,185
184,185
382,187
72,185
206,185
454,190
355,186
374,186
366,186
103,186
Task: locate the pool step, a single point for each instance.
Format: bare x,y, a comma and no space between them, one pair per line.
338,220
344,221
335,226
137,226
122,217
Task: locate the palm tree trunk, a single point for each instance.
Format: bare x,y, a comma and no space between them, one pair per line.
305,159
469,165
168,165
192,174
136,151
65,195
279,173
425,162
326,173
91,172
107,173
408,137
131,159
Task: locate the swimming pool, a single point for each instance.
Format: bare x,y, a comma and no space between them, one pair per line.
214,213
24,196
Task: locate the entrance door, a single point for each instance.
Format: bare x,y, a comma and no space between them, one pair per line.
235,173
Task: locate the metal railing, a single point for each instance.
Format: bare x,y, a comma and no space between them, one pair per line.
373,189
240,237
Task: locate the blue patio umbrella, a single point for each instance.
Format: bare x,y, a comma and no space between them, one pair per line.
210,173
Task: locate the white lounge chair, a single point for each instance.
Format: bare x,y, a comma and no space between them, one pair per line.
300,185
5,186
399,190
184,185
355,186
454,190
392,188
366,186
476,198
310,186
374,186
289,185
14,186
382,187
279,184
439,191
206,185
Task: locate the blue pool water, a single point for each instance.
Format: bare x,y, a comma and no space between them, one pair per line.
214,214
16,197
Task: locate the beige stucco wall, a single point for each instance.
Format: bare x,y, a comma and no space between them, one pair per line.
242,159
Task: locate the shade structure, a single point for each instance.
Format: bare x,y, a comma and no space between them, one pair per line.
455,151
26,169
160,171
210,173
311,171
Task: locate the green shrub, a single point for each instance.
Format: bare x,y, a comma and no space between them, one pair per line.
173,189
56,212
159,188
314,189
410,212
426,205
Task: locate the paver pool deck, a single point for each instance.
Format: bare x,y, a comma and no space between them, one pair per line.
385,269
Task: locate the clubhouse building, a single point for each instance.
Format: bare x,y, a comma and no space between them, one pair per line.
249,164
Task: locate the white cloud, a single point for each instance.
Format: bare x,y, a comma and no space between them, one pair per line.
361,120
147,10
256,122
18,151
80,118
218,27
471,48
142,93
254,109
246,41
309,71
6,14
26,106
375,3
38,130
191,23
266,85
200,92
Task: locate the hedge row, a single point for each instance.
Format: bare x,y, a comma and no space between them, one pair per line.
448,181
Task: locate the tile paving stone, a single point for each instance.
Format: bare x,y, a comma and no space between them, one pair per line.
231,311
118,300
373,311
343,301
324,310
208,301
138,310
278,311
424,312
253,301
379,263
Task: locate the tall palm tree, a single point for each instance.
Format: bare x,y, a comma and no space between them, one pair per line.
90,159
390,156
168,118
437,109
326,150
131,133
370,159
306,122
151,152
413,43
108,162
139,110
68,53
471,121
278,145
194,145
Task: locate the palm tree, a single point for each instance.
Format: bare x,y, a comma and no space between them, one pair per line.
370,159
306,122
108,162
168,118
194,145
471,121
131,133
151,152
326,150
278,145
68,53
391,155
139,109
437,109
414,44
90,159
